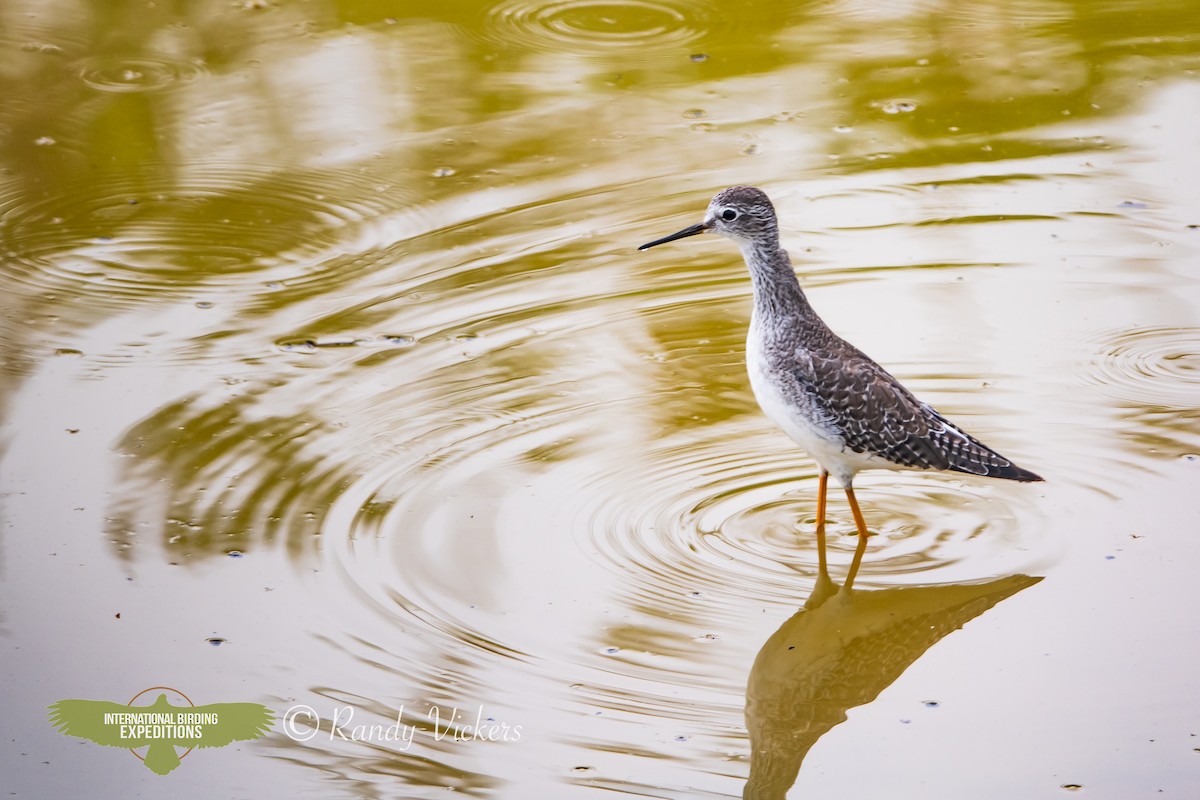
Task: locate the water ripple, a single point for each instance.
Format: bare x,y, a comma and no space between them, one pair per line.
596,26
145,74
137,238
739,510
1152,365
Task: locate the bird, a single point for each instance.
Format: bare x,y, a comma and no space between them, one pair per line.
158,727
841,407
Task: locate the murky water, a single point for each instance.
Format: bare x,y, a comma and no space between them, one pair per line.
333,381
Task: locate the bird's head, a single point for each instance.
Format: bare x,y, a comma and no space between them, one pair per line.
741,213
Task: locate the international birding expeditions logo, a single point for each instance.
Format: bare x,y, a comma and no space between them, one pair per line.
161,727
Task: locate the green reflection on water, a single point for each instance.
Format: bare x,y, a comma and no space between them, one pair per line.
912,82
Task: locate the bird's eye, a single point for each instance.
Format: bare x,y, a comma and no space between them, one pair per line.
729,215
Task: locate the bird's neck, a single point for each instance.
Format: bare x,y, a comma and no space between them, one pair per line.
777,292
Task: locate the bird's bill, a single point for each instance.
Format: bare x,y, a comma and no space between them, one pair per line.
692,231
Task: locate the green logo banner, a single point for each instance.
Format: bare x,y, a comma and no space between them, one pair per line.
161,727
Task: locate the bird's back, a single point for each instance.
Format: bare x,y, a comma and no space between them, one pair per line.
850,413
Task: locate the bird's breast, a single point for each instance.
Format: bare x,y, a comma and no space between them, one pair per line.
772,368
775,368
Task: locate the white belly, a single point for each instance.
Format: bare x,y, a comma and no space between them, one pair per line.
821,442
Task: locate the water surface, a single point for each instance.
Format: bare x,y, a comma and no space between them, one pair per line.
332,378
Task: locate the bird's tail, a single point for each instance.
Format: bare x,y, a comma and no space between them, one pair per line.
965,453
1012,472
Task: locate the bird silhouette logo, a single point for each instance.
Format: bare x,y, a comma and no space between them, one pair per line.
161,728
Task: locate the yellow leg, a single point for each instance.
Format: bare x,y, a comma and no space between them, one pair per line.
821,487
861,524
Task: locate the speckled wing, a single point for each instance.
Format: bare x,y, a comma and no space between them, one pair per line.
875,414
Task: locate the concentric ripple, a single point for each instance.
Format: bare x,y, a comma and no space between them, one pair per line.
595,25
146,74
677,521
130,235
740,510
1149,366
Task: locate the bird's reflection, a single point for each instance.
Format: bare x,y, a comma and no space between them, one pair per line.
841,650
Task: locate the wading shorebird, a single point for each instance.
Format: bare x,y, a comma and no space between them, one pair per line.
842,408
